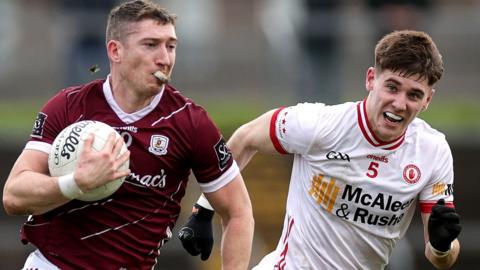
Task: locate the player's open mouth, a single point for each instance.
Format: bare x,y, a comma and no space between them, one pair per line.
392,117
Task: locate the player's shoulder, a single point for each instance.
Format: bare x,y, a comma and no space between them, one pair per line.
318,106
319,118
176,102
426,134
77,94
82,90
176,98
324,111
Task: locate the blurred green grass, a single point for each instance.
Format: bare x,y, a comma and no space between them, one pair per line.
456,118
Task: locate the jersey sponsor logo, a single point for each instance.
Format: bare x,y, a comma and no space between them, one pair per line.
411,174
356,204
380,200
367,202
442,189
37,130
337,155
149,180
223,153
133,129
158,145
377,158
324,191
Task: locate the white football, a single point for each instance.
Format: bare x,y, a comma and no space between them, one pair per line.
68,145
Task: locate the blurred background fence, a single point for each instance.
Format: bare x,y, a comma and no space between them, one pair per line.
238,59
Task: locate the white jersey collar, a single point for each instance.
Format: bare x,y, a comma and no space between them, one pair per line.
129,118
367,131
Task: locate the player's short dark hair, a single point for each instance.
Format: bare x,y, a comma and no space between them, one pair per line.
412,53
135,11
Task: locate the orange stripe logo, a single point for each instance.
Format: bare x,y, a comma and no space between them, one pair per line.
324,191
439,188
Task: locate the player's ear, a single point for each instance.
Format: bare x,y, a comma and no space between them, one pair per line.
370,79
429,99
114,49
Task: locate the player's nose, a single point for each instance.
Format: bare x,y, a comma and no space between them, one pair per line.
400,102
162,56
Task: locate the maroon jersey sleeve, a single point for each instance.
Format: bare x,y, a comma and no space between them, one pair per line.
52,118
213,163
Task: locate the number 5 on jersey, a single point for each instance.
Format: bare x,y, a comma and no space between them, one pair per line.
373,169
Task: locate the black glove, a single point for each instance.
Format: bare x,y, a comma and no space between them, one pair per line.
197,236
443,226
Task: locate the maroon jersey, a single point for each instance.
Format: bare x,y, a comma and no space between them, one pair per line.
167,139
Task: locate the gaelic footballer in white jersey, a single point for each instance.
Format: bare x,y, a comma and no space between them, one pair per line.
371,187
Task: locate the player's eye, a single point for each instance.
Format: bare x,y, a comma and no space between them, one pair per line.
415,95
150,44
391,87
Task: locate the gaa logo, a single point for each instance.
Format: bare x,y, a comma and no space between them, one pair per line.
337,155
411,174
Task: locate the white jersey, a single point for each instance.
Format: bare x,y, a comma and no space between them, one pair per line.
351,195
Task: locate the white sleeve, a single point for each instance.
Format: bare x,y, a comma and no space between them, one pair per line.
40,146
440,185
293,129
221,181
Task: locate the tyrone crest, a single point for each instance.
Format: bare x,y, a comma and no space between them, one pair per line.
158,145
411,174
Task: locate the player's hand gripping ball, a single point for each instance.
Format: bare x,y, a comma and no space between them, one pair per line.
68,145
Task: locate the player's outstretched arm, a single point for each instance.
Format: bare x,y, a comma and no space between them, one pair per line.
441,228
251,138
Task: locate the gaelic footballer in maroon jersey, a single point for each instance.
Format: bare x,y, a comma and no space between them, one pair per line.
170,139
167,136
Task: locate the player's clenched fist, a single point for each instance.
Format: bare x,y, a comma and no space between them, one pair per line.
443,226
196,236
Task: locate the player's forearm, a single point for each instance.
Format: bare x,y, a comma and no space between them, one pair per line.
445,262
237,242
31,193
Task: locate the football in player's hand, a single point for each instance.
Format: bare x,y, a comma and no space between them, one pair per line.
66,150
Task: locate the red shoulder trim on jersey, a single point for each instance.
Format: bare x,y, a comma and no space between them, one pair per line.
362,127
426,207
273,135
368,133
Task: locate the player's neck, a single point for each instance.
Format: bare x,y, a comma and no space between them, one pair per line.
129,100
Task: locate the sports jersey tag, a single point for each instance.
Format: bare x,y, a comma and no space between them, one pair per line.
37,130
223,153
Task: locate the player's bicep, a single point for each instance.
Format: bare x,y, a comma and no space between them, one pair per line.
231,200
31,160
254,135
